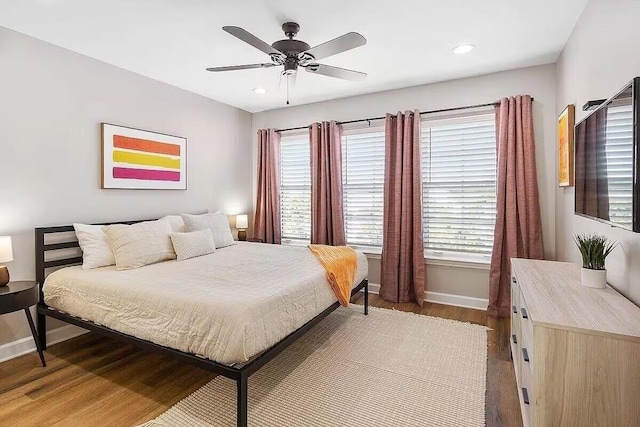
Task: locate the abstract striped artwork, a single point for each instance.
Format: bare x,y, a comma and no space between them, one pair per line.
139,159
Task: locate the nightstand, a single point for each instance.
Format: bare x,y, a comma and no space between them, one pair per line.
20,296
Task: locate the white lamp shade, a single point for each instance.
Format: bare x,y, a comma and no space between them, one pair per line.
6,252
242,222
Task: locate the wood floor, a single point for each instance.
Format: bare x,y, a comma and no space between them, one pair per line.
92,380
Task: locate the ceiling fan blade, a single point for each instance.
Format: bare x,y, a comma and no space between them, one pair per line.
247,37
339,73
241,67
338,45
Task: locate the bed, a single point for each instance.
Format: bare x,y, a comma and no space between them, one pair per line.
229,312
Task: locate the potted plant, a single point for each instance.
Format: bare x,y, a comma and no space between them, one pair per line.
594,250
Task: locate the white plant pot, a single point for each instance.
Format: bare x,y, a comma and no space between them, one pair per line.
594,278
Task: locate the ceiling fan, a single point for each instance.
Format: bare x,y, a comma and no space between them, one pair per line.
292,53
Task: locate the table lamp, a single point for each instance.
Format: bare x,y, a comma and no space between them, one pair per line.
242,223
6,255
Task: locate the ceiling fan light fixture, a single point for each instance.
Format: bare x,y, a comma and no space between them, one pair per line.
259,90
463,48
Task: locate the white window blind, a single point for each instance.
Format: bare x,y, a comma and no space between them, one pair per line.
295,189
363,186
619,155
459,185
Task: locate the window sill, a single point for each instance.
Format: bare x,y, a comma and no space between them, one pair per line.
454,261
292,242
448,261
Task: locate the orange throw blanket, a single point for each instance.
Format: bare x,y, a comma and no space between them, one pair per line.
341,263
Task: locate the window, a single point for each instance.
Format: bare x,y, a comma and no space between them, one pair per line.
459,186
363,185
295,189
619,164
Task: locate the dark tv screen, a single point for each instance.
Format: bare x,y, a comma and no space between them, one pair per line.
605,161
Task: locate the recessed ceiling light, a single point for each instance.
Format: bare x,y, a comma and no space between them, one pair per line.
259,90
463,48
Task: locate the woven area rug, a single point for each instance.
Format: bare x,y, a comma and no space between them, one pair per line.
389,368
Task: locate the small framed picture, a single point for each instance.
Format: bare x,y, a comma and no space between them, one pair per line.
566,122
142,160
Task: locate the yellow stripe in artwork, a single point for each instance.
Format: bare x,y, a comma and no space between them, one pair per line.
145,159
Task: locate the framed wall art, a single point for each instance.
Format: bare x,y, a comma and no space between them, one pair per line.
142,160
566,123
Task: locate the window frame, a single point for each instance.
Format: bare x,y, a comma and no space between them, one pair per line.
284,139
360,130
427,121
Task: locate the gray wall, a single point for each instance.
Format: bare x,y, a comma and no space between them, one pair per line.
601,56
51,104
539,82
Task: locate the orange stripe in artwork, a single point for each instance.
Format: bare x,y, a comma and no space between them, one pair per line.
145,145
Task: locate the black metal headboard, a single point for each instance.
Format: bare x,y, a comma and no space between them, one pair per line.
61,242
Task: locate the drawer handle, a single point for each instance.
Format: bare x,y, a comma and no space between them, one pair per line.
515,310
525,354
525,395
514,281
515,340
525,315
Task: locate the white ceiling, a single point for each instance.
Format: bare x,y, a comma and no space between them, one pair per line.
409,41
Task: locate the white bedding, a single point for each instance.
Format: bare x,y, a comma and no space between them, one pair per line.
227,306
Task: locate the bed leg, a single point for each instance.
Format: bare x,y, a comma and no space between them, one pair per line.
42,330
241,408
366,298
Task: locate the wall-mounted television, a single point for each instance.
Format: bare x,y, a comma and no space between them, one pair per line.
607,152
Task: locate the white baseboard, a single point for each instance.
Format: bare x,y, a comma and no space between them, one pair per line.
26,345
447,299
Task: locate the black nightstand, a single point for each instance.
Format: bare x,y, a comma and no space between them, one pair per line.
20,296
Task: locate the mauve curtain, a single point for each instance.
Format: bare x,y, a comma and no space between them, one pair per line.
403,266
592,184
266,224
327,215
518,229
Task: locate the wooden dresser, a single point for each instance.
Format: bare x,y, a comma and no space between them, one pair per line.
576,350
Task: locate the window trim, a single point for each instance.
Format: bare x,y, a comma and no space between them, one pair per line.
293,137
441,257
355,131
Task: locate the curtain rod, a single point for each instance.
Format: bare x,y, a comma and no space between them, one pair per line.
444,110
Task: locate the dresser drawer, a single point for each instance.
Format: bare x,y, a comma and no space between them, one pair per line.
527,394
516,333
526,333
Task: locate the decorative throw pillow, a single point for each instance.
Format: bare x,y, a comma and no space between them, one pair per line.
95,248
216,222
176,222
193,244
140,244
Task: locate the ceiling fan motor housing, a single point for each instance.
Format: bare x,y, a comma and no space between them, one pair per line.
291,47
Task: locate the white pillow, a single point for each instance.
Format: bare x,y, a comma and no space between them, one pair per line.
193,244
95,248
216,222
140,244
176,222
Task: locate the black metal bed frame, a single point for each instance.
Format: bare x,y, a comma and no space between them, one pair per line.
240,374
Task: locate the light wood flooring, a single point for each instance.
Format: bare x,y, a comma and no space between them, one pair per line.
91,380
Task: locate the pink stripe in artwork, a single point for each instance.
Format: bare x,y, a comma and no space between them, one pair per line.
145,174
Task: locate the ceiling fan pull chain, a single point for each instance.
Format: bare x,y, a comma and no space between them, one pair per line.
288,89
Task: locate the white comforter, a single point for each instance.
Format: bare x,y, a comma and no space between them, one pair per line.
227,306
